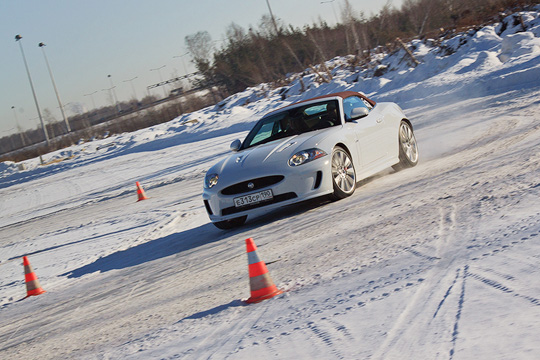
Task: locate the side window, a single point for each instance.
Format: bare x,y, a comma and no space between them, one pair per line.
354,102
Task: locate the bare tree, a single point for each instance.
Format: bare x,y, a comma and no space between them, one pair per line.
418,12
200,46
235,33
270,27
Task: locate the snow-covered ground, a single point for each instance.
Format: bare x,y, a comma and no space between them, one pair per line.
440,261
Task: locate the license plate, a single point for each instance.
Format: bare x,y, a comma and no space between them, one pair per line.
253,198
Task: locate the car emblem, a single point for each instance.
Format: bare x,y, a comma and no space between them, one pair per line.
250,185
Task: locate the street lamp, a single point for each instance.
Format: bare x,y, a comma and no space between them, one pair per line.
42,46
114,93
132,87
18,39
110,93
92,97
273,18
333,10
18,126
181,57
183,63
161,78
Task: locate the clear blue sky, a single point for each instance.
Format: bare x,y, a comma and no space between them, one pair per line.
88,40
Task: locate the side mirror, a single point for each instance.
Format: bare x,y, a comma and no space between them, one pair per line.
235,145
359,112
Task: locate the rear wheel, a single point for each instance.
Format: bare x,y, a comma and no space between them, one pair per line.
230,224
343,175
408,149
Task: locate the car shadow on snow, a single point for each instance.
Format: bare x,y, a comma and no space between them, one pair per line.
214,310
152,250
183,241
193,238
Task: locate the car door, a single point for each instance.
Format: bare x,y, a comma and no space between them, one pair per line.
368,130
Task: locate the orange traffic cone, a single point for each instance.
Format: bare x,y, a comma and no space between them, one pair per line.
260,282
32,283
140,192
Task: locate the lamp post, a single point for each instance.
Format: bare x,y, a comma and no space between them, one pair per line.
114,93
333,10
92,97
42,46
181,57
273,18
110,93
183,62
18,126
18,39
160,77
132,87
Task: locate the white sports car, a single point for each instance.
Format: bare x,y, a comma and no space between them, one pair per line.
321,146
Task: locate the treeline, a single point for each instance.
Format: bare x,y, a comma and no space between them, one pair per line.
80,126
99,123
268,53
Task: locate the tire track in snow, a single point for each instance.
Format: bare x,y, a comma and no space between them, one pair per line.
223,333
326,337
432,294
455,332
413,321
458,271
504,288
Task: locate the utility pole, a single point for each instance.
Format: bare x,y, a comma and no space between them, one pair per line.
114,93
42,45
18,126
273,18
18,39
132,87
333,10
278,34
92,97
160,78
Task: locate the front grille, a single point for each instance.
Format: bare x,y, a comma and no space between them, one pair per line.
276,199
258,183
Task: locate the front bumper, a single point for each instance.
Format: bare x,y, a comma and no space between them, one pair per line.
299,183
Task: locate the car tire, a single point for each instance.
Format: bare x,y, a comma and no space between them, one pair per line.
230,224
408,148
343,174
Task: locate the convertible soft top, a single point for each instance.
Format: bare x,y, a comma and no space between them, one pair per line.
342,94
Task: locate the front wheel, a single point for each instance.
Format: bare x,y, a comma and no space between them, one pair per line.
230,224
408,149
343,175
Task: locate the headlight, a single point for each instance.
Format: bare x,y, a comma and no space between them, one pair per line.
210,180
305,156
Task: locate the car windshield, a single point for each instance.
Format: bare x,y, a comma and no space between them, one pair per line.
294,122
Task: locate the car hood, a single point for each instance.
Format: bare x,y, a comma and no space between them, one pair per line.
273,154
